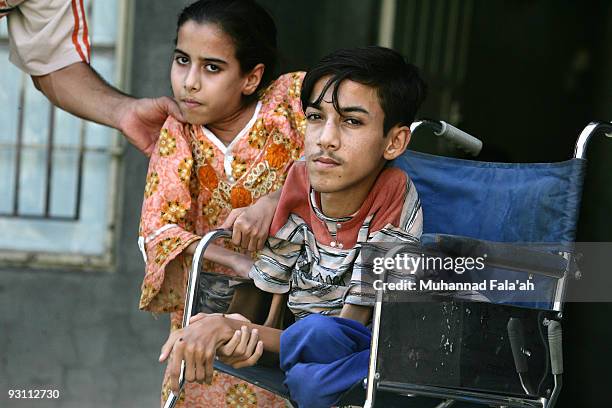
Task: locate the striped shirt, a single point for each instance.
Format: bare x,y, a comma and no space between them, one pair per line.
317,259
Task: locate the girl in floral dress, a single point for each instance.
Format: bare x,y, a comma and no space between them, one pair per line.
241,135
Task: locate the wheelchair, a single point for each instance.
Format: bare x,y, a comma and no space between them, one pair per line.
452,348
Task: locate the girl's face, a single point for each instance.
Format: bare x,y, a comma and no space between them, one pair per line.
207,81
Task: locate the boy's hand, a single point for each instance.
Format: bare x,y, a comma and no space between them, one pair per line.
243,350
251,225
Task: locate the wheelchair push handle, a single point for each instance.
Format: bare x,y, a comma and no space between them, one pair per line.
457,137
460,139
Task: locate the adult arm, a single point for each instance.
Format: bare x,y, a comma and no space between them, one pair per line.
79,90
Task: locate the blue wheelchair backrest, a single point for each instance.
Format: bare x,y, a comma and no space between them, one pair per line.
497,201
503,202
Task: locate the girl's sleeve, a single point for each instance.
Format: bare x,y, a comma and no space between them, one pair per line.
296,117
297,120
282,100
167,219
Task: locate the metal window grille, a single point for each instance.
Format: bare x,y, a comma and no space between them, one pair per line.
59,170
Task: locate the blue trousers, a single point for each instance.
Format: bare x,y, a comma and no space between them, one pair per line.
322,357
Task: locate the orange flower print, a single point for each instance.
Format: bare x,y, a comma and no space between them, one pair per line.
239,167
299,121
296,86
189,226
152,183
211,211
241,396
165,247
208,177
257,137
194,185
172,212
167,143
184,170
296,152
282,110
277,155
240,197
202,150
208,151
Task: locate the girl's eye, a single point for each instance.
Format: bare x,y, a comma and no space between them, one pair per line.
181,60
211,68
312,116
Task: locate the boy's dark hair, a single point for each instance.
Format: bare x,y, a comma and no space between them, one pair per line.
248,24
398,83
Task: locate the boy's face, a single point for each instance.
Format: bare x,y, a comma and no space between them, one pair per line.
206,78
345,150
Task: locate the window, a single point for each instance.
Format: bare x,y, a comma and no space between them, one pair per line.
59,173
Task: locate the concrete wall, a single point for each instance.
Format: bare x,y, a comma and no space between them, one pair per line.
81,332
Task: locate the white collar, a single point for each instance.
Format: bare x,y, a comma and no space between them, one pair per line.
224,149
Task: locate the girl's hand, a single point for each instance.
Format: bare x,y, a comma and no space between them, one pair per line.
251,225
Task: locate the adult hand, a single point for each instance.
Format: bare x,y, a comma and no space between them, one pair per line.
140,120
196,345
251,225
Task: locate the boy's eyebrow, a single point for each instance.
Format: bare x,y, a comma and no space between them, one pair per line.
350,109
203,59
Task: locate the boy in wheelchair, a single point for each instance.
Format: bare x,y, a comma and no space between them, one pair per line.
358,104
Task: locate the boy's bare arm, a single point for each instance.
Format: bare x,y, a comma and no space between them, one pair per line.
361,314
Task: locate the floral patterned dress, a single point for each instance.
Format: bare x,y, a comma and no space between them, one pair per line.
193,183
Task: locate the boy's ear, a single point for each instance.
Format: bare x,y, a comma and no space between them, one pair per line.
398,138
252,79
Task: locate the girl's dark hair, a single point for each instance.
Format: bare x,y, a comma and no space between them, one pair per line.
250,27
398,83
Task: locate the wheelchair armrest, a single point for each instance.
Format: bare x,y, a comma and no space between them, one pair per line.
510,256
